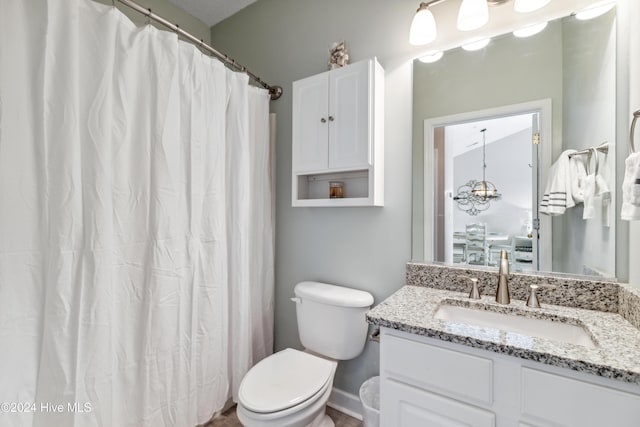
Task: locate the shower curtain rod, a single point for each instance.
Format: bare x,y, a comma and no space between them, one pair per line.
274,91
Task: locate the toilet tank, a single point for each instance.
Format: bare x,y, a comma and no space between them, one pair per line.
331,319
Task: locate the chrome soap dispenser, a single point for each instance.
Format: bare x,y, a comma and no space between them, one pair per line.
502,293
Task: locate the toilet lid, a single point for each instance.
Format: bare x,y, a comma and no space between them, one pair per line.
283,380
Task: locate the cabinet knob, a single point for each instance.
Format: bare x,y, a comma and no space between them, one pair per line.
323,120
330,118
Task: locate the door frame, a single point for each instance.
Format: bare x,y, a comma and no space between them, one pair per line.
544,108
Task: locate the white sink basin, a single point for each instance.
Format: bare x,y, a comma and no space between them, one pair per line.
540,328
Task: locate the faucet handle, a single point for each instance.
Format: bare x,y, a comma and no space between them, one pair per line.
532,301
475,293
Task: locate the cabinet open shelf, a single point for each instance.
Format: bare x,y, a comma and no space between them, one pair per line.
312,189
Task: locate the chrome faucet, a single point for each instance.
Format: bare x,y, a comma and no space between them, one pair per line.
502,293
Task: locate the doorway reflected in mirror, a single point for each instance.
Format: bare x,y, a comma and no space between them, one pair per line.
500,152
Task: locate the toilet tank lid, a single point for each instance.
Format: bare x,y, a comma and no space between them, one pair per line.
333,294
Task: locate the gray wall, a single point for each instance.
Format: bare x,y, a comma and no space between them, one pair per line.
365,248
170,12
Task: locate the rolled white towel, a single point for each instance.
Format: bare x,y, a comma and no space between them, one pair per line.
602,189
589,196
577,174
631,189
557,194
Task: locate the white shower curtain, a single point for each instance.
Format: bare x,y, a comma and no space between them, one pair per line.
136,227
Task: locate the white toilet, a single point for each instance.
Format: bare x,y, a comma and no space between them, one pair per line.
290,388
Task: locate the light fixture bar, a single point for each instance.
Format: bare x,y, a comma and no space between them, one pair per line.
526,6
431,3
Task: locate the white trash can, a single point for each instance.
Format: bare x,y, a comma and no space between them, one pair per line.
370,398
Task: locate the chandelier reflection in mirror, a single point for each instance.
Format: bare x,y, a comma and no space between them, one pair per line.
475,196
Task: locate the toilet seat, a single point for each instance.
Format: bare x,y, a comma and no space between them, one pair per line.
283,380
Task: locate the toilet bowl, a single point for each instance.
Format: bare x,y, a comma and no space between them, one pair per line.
291,387
288,389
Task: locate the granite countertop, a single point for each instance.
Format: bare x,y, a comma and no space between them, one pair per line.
616,355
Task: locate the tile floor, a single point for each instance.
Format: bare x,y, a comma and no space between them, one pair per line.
229,419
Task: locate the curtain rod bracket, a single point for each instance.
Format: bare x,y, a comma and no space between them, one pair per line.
275,92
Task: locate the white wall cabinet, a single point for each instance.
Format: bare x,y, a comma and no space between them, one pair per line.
429,382
338,135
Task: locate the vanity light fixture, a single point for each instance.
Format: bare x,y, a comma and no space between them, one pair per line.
526,6
530,30
476,45
595,10
475,196
423,27
431,57
473,14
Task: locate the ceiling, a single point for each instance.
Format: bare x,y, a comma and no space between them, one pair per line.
212,11
465,137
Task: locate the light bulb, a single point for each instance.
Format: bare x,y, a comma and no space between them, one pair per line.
423,27
473,14
476,45
530,30
525,6
595,11
431,57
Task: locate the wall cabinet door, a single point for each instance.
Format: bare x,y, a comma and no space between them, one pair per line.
333,120
350,133
406,406
310,129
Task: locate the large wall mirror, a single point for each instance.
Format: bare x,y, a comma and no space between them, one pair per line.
503,115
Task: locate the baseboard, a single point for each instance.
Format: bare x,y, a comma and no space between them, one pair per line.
346,403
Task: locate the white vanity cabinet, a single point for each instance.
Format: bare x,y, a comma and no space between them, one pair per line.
337,135
429,382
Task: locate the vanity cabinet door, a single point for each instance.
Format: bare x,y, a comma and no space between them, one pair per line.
555,400
405,406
